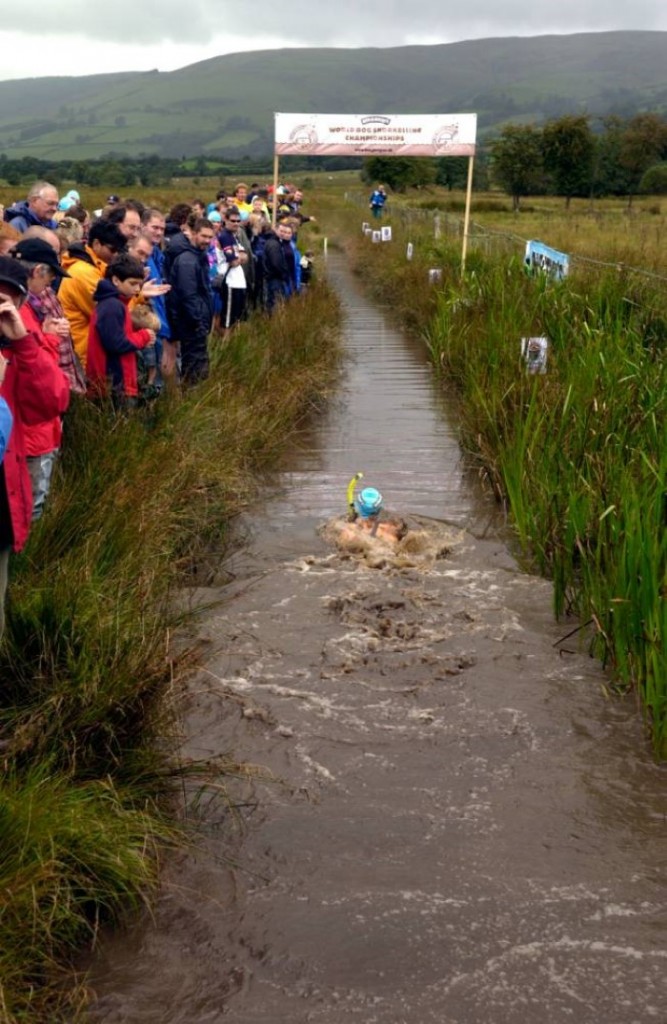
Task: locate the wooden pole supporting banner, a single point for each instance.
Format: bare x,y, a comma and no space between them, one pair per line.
466,219
274,211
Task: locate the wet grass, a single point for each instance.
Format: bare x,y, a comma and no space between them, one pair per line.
96,642
578,455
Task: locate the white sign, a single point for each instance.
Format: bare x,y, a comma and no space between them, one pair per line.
364,226
534,352
376,236
376,134
409,251
386,234
435,275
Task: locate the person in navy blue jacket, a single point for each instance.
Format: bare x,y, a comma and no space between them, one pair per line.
113,342
190,301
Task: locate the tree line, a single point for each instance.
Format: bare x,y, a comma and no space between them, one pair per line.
566,156
573,155
120,172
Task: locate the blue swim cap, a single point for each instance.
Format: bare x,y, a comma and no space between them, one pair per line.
368,502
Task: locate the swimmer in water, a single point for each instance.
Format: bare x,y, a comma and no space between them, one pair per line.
364,513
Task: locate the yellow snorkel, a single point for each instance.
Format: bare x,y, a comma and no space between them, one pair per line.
352,512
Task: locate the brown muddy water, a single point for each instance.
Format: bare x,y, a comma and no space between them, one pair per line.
464,828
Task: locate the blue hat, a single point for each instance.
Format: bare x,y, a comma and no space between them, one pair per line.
66,202
214,217
368,502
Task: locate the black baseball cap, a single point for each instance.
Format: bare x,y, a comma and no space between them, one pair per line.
36,250
12,272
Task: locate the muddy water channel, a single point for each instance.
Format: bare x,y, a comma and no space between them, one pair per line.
463,827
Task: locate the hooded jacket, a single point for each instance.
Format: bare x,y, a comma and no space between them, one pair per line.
21,217
190,301
35,390
113,344
42,437
76,293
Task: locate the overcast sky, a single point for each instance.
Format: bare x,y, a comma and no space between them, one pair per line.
81,37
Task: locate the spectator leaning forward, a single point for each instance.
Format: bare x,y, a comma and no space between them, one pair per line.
35,391
38,209
42,440
86,264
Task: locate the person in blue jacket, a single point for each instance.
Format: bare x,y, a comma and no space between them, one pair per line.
37,210
377,201
154,224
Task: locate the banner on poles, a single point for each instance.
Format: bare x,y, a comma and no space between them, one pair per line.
376,134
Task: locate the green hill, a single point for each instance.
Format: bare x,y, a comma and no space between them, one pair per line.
223,107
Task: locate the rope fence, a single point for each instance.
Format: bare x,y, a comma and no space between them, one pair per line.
493,240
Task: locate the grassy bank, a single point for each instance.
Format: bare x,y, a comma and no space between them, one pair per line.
86,802
578,454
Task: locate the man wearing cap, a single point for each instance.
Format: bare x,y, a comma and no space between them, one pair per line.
35,391
39,208
42,441
72,198
86,264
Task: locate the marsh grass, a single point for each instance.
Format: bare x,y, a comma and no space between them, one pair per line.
86,798
578,455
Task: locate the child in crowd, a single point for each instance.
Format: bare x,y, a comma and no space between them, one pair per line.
113,342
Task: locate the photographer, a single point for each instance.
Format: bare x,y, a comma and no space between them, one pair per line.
35,390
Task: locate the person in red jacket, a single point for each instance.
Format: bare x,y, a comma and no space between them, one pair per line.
42,440
35,390
113,342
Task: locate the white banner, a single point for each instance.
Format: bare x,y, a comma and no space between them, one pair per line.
376,134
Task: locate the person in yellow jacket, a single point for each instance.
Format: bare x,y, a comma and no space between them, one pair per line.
86,264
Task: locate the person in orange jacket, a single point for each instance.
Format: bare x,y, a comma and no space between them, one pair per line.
85,264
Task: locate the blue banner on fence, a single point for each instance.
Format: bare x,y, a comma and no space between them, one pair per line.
541,258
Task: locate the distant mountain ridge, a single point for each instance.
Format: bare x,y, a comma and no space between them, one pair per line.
224,106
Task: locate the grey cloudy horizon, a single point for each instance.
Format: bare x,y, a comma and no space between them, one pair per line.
168,34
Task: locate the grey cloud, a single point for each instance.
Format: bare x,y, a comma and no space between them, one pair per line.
344,23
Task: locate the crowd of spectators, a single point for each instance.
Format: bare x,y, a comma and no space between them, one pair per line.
114,303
